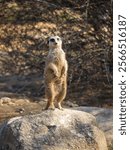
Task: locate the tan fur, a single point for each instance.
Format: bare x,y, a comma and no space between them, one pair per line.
55,74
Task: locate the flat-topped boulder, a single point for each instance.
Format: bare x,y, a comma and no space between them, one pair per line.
53,130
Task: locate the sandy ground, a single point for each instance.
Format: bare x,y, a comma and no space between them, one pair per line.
10,107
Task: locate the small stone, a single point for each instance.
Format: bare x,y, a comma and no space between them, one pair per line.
70,104
5,100
20,110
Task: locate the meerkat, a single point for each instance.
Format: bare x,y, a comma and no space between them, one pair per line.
55,73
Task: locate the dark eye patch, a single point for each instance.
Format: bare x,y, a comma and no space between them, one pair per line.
58,39
52,40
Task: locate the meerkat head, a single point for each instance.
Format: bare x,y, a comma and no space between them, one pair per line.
55,42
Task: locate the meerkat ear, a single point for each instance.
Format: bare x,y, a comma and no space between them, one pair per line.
47,42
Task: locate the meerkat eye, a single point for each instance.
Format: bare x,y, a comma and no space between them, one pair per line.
52,40
58,39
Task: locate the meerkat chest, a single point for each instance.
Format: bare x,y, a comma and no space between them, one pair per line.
57,57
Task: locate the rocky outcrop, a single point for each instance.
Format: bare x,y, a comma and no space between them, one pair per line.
53,130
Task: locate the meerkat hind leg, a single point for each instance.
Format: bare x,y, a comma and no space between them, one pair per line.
59,106
50,105
50,96
60,98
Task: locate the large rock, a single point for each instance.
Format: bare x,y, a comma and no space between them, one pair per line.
104,118
53,130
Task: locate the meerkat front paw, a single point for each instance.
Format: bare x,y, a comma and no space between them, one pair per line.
56,73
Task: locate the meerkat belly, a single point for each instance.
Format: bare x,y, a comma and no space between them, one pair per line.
58,86
59,61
